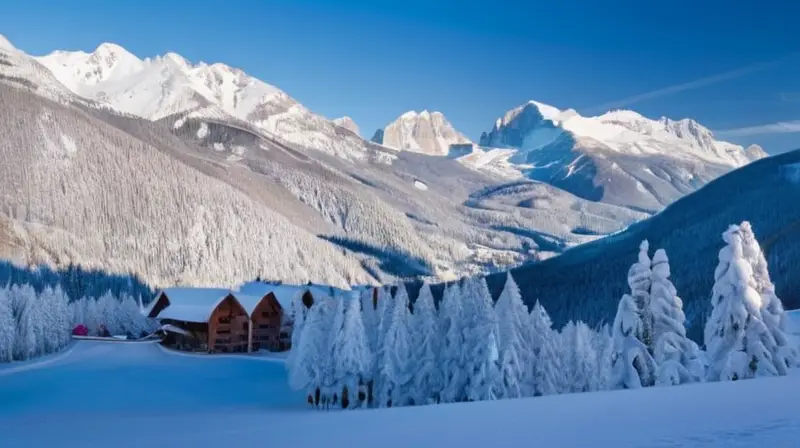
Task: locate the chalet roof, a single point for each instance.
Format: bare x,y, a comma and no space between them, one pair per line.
192,304
197,304
248,302
284,294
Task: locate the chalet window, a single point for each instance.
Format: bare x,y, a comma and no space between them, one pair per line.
265,327
244,326
243,338
228,331
225,320
222,341
284,335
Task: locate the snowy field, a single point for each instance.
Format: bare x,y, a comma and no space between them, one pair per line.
139,395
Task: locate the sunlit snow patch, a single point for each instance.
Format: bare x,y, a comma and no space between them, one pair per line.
203,131
420,185
69,144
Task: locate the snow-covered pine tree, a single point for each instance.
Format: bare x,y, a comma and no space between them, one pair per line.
428,378
298,312
351,355
399,365
772,312
639,280
546,371
580,357
135,323
54,312
513,341
370,318
603,347
451,320
46,330
379,391
630,356
108,309
739,344
678,357
307,368
332,383
8,327
78,310
480,341
23,301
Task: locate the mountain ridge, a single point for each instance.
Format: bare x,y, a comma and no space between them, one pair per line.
619,157
305,179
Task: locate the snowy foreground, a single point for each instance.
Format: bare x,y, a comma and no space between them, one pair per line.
139,395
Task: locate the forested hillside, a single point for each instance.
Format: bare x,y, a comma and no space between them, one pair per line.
586,282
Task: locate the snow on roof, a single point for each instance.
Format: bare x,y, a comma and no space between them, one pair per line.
196,304
195,296
248,302
284,294
173,329
189,313
191,304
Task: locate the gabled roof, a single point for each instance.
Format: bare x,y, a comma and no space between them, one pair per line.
248,302
195,296
192,304
284,294
197,304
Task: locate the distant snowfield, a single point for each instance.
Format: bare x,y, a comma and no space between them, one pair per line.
137,395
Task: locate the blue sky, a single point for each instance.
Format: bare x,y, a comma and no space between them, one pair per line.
733,66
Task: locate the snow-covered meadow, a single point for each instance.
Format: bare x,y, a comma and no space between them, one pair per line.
127,394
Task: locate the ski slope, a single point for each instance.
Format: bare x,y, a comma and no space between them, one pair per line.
138,395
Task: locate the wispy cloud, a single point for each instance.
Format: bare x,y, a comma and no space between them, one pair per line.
702,82
781,127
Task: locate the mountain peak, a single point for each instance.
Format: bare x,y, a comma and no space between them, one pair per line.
426,132
755,152
109,47
177,59
112,53
347,123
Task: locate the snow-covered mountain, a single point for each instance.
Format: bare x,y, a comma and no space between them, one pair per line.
765,193
347,123
620,157
208,198
200,174
154,88
422,132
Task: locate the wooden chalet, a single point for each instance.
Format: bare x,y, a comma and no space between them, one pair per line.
224,321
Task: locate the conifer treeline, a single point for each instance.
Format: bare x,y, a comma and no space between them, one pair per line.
352,353
39,323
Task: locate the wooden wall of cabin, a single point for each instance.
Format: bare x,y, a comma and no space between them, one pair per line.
267,318
228,328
